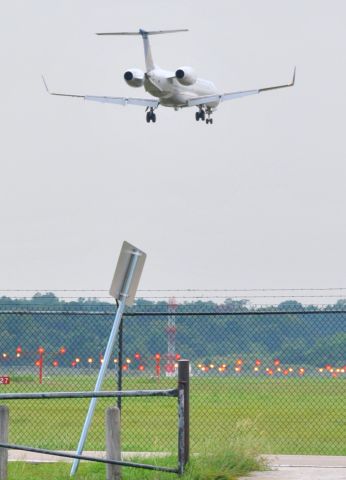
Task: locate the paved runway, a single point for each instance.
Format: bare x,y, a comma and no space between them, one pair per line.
303,467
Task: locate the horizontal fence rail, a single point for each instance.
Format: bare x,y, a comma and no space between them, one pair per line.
44,451
54,395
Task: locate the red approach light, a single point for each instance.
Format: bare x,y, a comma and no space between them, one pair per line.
170,368
328,367
40,350
125,367
137,356
38,363
73,363
62,350
177,356
19,349
55,363
276,362
239,362
157,357
141,368
286,372
258,362
270,371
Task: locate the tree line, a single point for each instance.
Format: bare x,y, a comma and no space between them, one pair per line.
205,331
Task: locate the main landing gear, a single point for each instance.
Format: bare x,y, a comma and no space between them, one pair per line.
200,115
151,116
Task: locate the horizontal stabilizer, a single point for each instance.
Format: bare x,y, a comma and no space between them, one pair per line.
144,32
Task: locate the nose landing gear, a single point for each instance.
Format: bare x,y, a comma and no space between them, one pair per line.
151,116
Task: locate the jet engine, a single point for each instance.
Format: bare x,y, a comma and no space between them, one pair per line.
134,77
186,76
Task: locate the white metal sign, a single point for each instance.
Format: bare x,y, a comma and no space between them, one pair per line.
118,286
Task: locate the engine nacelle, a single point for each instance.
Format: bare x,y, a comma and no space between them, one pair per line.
134,77
186,76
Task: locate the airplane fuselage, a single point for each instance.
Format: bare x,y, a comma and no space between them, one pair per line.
166,87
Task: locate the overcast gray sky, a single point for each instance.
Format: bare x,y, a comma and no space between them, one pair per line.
256,200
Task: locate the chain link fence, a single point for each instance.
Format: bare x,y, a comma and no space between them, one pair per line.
279,370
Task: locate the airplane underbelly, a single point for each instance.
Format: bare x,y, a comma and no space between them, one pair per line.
181,100
173,94
169,97
174,100
180,95
150,88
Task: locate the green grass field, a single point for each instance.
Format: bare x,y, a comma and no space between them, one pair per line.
296,415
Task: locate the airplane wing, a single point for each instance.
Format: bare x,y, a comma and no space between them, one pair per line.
233,95
143,102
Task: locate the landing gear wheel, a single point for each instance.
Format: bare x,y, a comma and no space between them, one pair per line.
151,116
211,121
200,115
207,121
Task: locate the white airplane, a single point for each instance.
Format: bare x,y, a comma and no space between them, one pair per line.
176,90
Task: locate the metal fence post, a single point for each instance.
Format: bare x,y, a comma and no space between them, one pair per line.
184,385
113,445
181,431
4,418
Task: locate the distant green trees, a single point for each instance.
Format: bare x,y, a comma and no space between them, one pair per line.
290,331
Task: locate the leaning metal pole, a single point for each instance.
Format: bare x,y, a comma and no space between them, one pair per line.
107,356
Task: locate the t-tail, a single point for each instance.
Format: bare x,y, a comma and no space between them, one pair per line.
149,62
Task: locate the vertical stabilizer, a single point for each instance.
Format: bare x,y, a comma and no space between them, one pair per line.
149,62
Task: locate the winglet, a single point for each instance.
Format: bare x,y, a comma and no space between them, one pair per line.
294,76
276,87
45,84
